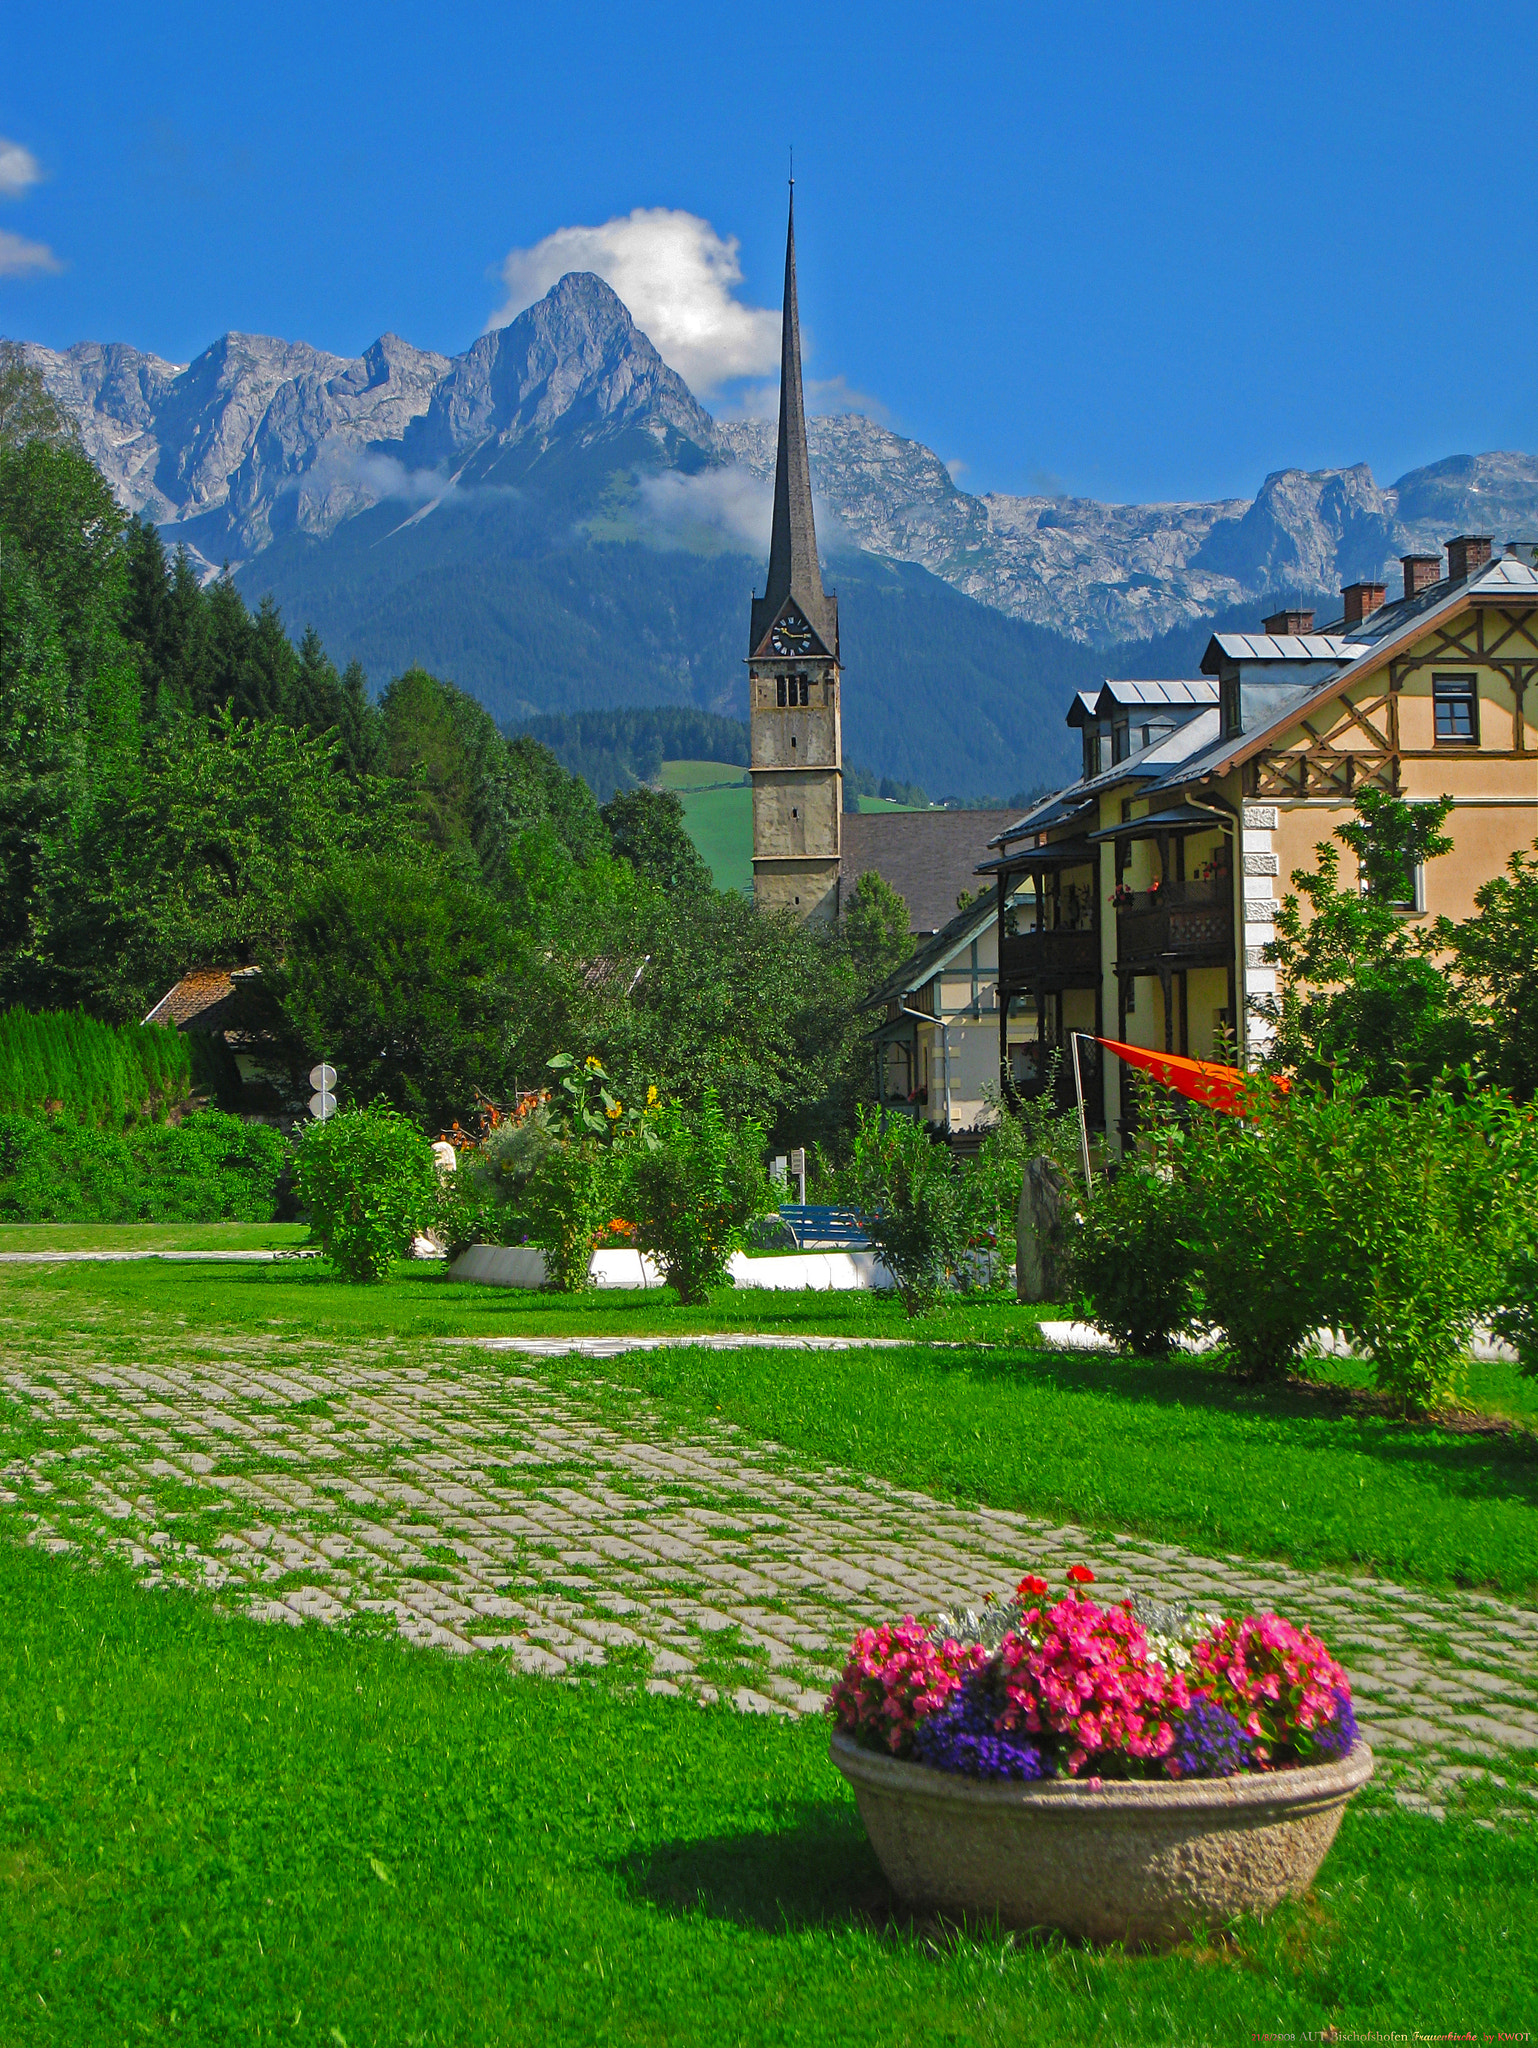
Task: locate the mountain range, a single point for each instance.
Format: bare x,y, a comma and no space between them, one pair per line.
554,521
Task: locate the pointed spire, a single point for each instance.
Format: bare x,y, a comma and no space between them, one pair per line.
793,567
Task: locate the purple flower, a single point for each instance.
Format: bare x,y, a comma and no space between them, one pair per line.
1209,1742
962,1738
1338,1737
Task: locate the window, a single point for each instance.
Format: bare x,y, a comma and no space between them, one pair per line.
1457,710
1091,751
803,689
1410,894
1228,701
1119,747
779,691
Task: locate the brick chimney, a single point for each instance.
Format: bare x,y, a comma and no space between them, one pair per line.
1466,553
1288,622
1420,572
1361,599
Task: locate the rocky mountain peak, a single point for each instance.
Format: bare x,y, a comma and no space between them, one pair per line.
258,436
575,360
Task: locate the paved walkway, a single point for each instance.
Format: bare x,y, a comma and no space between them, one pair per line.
440,1492
100,1258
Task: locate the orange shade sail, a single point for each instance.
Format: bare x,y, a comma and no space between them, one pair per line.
1221,1088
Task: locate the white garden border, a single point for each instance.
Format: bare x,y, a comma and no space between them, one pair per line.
523,1265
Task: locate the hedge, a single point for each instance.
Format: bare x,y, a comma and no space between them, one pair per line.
64,1063
211,1168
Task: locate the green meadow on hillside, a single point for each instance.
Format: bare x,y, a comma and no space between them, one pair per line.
718,812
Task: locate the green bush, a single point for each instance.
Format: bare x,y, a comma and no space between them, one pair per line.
1130,1263
1517,1319
579,1179
64,1063
210,1168
1428,1200
570,1196
368,1179
1256,1224
909,1193
695,1194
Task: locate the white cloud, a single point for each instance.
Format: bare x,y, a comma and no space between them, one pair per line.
19,168
19,258
731,501
677,276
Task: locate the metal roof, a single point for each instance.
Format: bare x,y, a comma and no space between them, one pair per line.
1058,853
1509,576
1178,818
1083,709
1176,690
922,966
1286,647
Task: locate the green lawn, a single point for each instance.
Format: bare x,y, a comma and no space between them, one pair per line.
682,775
720,822
152,1237
718,812
220,1832
1305,1475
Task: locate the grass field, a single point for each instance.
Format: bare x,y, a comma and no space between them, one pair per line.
224,1832
1309,1474
152,1237
682,775
219,1832
718,811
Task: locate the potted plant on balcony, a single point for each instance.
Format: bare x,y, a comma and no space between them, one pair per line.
1125,1773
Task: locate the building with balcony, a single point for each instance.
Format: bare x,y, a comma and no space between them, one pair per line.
1157,877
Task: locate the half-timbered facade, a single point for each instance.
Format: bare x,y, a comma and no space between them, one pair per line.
1158,876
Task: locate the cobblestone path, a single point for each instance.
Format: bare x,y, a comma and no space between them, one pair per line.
445,1494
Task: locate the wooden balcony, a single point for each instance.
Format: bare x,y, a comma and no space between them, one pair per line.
1050,960
1187,924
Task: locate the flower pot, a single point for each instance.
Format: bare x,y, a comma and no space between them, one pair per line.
1146,1862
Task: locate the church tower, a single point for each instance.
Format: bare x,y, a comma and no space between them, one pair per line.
795,735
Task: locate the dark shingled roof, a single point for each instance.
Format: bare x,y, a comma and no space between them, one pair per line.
793,567
927,856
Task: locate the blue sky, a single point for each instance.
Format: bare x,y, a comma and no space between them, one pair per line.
1130,252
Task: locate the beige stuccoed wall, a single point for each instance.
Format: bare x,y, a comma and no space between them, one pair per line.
809,888
797,793
796,813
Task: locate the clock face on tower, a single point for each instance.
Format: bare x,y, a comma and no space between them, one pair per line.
792,635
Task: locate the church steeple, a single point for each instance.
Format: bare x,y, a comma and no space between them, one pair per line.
795,725
793,569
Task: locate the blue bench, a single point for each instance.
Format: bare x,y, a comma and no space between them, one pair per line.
811,1222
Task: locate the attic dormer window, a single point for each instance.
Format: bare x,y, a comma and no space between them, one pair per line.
1120,741
1228,704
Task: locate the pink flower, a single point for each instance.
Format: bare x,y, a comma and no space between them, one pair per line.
1084,1674
896,1676
1280,1681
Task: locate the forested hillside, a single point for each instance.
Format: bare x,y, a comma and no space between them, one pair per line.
938,688
440,907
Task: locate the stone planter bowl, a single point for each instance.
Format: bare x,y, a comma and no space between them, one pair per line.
1142,1862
